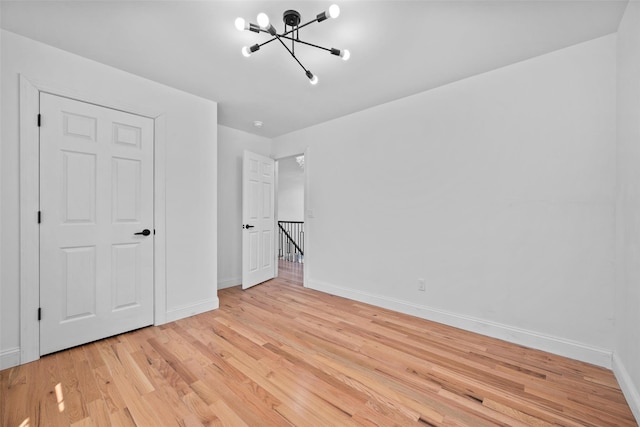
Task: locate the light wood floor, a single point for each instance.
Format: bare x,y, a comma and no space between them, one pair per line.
280,354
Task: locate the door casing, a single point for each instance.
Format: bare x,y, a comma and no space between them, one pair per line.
29,205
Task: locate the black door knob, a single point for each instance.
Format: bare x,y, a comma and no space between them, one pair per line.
248,226
144,232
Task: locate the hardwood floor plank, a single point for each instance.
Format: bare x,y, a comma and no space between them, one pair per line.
199,408
50,406
87,385
252,403
279,354
225,414
99,413
137,407
134,373
122,418
307,403
110,395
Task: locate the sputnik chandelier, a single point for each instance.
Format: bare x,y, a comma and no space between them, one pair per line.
291,33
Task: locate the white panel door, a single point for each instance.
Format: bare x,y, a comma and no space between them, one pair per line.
96,198
258,219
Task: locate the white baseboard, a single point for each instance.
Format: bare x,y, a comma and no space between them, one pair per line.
228,283
551,344
188,310
9,358
630,390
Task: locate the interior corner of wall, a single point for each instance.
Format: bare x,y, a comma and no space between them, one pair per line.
630,390
192,309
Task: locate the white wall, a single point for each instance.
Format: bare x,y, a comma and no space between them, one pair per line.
191,172
231,144
290,190
627,343
498,190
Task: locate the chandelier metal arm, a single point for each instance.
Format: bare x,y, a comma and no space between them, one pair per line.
284,36
267,42
307,43
291,52
288,32
302,26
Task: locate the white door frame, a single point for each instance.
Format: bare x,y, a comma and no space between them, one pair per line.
276,228
29,204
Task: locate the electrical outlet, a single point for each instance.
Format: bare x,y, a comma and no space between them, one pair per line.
421,285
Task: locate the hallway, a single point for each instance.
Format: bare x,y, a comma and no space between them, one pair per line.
291,272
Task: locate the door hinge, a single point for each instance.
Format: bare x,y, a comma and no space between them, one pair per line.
39,120
39,217
154,231
39,313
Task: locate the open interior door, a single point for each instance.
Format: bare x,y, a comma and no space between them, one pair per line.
258,219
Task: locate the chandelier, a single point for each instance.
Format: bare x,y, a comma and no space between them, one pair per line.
291,33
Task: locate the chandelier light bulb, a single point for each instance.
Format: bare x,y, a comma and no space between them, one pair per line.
240,24
312,79
334,11
342,53
263,20
247,51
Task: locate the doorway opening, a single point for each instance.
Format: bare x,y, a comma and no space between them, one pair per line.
290,218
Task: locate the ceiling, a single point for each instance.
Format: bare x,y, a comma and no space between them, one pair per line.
398,48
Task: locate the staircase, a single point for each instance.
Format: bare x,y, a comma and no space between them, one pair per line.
291,238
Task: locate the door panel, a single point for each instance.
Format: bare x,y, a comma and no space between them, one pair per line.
127,135
267,249
258,262
126,190
79,282
76,125
125,281
78,187
96,191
